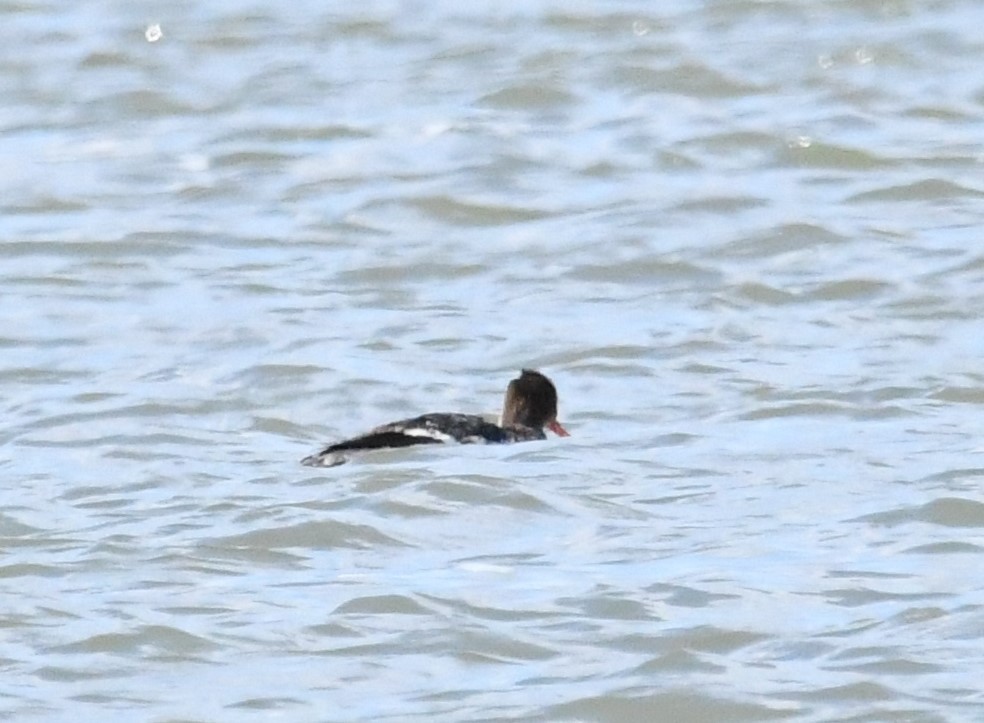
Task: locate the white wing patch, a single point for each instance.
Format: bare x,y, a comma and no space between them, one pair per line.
431,433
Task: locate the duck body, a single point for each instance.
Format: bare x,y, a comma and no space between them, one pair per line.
530,405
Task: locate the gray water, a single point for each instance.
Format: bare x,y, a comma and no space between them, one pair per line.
745,239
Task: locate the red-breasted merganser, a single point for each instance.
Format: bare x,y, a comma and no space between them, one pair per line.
529,407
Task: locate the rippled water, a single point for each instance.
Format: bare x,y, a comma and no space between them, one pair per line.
743,238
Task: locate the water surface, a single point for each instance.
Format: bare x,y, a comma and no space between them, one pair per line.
743,238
